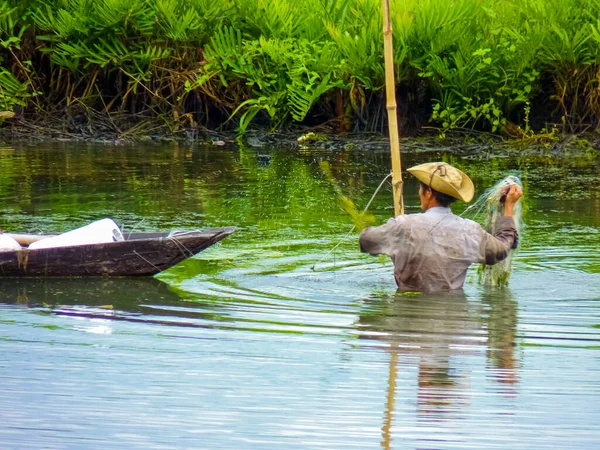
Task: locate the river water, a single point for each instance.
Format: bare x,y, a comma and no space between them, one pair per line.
273,339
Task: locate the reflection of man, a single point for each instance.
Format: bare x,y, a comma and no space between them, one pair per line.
432,329
440,337
501,330
433,250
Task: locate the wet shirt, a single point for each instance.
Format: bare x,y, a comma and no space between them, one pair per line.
433,250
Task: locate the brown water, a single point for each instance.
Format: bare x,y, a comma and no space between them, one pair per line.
246,346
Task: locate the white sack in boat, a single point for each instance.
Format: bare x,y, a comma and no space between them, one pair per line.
8,244
99,232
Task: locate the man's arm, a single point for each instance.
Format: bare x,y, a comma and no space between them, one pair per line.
376,240
495,247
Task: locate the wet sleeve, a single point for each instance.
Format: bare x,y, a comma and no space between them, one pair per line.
495,247
377,240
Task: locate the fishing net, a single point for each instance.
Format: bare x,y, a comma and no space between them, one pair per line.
486,210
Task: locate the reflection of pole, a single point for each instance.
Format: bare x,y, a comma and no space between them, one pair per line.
390,90
389,408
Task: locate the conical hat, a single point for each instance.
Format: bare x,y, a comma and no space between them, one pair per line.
446,179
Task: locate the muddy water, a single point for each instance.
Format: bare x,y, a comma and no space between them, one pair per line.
272,340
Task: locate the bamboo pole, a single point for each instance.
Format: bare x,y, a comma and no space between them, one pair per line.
390,91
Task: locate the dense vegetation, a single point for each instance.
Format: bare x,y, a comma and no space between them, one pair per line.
485,64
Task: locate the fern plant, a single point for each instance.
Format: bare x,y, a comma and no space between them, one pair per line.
12,91
16,84
473,63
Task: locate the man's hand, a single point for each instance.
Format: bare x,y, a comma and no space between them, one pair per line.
513,194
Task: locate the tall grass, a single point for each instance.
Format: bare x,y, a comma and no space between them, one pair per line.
491,65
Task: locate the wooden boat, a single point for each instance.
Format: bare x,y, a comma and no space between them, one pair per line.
138,254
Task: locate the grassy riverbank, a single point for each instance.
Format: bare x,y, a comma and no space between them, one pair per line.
136,67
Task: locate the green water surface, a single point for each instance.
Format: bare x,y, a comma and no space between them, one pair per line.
272,339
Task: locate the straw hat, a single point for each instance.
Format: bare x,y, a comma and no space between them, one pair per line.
446,179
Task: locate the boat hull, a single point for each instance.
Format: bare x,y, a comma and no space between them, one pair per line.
140,254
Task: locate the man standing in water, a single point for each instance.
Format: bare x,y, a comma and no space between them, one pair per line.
433,250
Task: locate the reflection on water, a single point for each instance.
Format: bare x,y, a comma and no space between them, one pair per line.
126,294
426,334
272,340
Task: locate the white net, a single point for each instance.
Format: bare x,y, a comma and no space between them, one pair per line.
486,210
